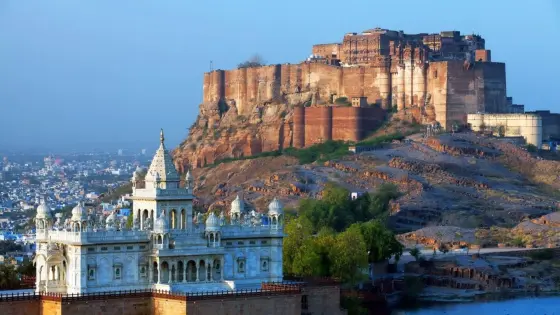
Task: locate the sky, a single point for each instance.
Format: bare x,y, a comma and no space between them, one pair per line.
109,74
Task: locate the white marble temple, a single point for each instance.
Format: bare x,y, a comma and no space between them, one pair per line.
168,248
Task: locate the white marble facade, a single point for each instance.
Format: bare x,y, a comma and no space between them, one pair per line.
168,247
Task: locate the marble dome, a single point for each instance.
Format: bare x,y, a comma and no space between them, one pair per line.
275,207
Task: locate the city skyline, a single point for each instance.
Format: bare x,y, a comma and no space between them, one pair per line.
109,75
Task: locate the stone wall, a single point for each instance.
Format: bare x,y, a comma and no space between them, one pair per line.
273,299
317,124
21,307
257,305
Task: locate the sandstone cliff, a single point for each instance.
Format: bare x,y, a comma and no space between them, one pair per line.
220,131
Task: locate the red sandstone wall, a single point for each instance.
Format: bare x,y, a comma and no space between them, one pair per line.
299,127
346,123
28,307
318,124
272,305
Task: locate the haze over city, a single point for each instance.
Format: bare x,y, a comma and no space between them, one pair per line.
106,74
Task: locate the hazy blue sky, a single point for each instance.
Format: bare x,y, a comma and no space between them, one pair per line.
77,73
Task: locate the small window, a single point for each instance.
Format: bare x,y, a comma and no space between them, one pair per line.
91,274
264,242
142,247
143,271
103,248
252,242
241,266
264,265
129,247
91,249
117,273
435,74
117,248
229,243
239,243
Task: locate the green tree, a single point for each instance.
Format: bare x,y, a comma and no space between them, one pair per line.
8,277
380,242
130,220
349,255
26,268
297,232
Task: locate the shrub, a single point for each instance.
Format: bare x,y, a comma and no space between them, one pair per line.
342,101
253,62
531,148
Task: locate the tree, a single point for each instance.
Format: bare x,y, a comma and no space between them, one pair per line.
415,252
380,242
8,277
482,127
349,255
297,230
501,130
130,220
255,61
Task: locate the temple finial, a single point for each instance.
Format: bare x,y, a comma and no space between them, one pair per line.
161,137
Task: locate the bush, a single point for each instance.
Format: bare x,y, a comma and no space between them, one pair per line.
531,148
342,101
253,62
327,150
518,242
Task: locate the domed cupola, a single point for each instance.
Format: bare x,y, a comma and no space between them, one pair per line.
43,211
110,221
275,214
212,223
161,225
237,208
275,208
79,213
189,180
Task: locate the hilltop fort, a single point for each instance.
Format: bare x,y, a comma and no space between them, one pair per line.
342,92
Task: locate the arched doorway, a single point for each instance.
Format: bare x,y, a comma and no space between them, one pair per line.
191,271
180,271
164,272
202,271
216,269
155,272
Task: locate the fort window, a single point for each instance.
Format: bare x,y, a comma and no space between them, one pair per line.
142,246
435,74
239,243
117,248
91,249
103,248
264,242
229,243
130,247
252,242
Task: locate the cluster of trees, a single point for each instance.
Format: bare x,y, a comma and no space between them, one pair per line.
336,236
10,276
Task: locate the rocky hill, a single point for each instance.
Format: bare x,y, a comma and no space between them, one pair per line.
221,132
462,180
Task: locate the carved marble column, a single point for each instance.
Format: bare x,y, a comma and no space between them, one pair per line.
159,272
209,270
197,264
172,267
222,268
170,270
